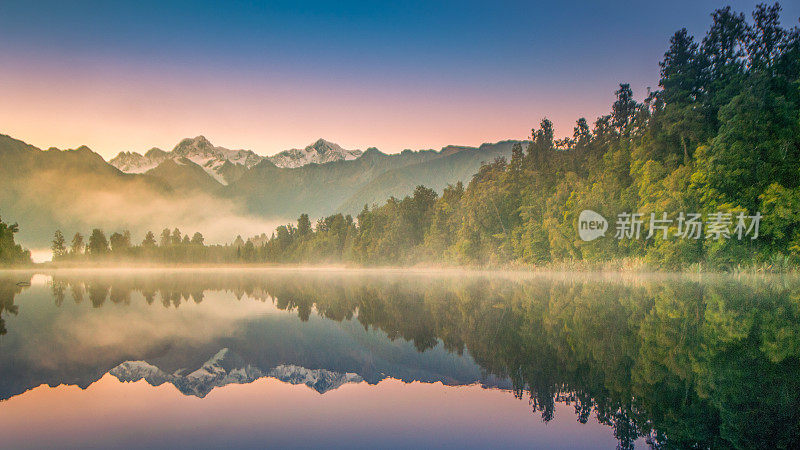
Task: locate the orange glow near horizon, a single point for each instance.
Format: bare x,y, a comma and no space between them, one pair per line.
113,109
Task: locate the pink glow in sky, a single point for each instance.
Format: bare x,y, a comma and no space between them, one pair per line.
268,76
117,108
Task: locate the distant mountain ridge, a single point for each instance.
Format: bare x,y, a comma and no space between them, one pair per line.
208,188
347,186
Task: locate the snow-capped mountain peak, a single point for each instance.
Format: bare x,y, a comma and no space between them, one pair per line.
213,159
320,152
194,146
198,150
225,368
132,162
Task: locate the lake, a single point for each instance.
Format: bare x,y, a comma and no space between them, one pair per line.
253,358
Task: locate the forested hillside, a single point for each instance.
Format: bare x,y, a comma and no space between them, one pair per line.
709,166
346,186
721,135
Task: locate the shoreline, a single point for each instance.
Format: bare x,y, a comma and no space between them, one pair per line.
415,271
620,266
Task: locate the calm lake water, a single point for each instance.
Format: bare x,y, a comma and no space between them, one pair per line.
280,358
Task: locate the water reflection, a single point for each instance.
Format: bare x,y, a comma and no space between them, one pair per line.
9,288
675,362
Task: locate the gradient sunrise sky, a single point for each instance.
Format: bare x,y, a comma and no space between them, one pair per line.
128,76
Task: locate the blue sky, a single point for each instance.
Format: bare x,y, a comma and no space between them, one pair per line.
270,75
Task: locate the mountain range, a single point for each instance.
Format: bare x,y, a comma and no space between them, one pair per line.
226,368
198,186
226,165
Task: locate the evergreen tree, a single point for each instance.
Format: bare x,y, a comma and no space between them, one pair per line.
239,242
98,244
581,134
149,240
303,225
120,242
166,238
680,70
766,38
176,236
76,247
197,239
623,109
58,246
725,43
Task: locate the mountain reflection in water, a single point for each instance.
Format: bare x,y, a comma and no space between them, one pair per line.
662,361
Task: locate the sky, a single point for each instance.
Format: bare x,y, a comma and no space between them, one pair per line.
268,76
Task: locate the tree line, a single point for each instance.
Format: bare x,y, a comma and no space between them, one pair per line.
722,134
170,246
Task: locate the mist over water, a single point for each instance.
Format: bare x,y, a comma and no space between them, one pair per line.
560,360
52,200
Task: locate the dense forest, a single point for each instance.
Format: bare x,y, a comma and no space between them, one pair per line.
721,136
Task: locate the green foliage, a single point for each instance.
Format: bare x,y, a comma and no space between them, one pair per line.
120,242
149,240
76,247
98,244
11,253
59,246
722,134
781,227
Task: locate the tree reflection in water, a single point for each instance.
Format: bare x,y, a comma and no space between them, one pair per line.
682,362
